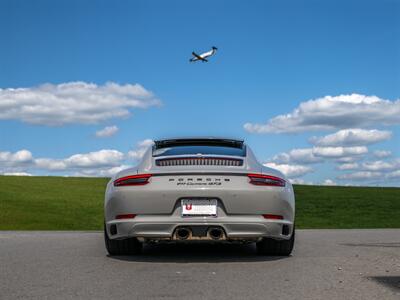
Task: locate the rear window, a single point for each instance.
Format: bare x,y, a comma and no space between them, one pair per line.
199,149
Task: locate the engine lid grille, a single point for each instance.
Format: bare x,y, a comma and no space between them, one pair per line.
199,161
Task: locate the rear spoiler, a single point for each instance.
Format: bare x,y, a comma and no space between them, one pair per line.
199,142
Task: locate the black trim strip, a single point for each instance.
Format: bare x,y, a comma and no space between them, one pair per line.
199,157
199,161
198,141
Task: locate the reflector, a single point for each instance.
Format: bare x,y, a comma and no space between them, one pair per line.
273,217
125,216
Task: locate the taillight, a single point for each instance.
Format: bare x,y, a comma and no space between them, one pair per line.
133,180
259,179
125,216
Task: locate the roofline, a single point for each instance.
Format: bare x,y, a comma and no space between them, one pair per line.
200,138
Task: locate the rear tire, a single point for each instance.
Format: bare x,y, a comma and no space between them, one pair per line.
127,246
271,247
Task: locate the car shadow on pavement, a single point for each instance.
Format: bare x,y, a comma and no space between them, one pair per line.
198,253
392,282
386,245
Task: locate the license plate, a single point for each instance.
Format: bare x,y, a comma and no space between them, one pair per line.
200,207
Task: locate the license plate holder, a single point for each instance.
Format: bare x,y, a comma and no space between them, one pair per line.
199,207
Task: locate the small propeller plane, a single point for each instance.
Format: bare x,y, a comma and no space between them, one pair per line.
203,57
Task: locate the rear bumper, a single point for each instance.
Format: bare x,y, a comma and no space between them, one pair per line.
235,227
240,206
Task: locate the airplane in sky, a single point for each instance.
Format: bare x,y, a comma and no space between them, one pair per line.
203,57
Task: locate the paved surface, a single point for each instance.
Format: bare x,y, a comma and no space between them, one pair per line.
326,264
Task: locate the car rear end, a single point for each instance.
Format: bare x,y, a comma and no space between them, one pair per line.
199,189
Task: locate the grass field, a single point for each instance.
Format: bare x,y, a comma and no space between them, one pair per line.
62,203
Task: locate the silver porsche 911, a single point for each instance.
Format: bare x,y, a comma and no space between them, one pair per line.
199,189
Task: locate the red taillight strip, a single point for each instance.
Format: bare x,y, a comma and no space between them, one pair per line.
273,217
267,180
125,216
140,179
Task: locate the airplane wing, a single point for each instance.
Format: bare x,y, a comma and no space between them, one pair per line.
197,57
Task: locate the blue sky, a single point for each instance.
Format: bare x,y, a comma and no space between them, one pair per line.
272,57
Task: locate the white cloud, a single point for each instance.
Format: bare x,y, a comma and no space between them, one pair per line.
338,152
301,156
333,112
348,159
15,163
17,158
73,102
382,153
142,146
102,158
145,143
345,155
300,181
290,171
348,166
105,162
375,171
107,131
329,182
17,174
380,165
361,175
97,159
105,172
394,174
352,137
50,164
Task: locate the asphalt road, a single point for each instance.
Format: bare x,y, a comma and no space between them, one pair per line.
326,264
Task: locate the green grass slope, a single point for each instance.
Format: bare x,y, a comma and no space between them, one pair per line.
51,203
347,207
62,203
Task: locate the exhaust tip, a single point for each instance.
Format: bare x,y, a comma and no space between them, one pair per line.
285,229
182,233
216,233
113,229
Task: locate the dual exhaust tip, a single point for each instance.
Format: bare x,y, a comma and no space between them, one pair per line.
214,233
183,233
